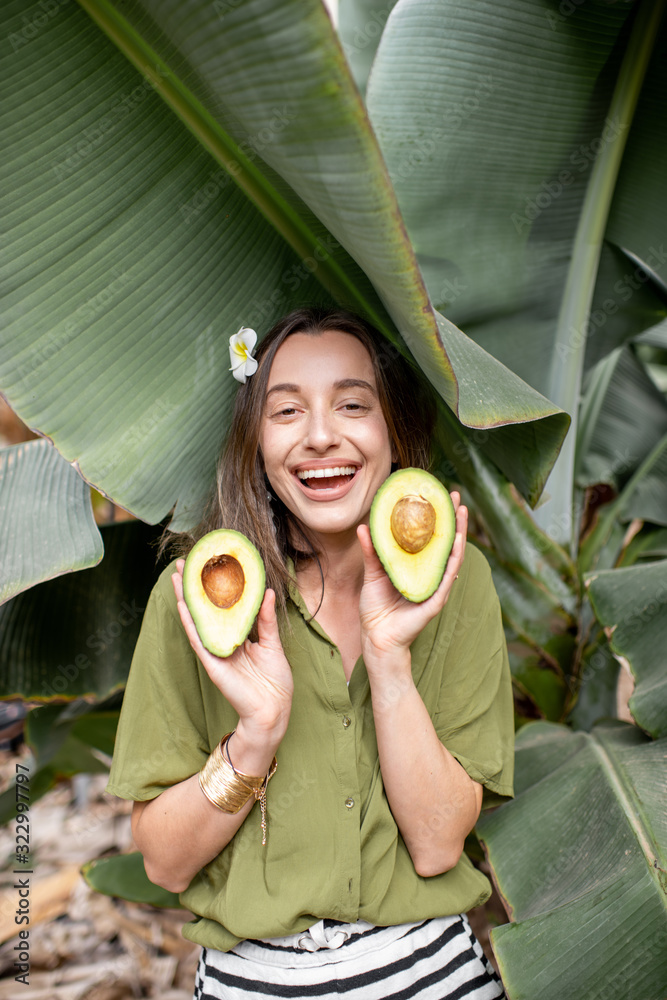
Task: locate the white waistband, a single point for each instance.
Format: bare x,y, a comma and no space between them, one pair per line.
328,942
323,934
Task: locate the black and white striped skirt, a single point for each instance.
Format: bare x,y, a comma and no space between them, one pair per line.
438,959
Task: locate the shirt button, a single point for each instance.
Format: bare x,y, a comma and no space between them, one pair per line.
332,652
349,803
347,721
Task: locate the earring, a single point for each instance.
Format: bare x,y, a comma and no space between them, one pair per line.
267,486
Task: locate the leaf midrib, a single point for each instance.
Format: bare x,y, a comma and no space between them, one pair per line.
222,147
630,805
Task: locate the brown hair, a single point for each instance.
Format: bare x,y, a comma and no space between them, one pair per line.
241,499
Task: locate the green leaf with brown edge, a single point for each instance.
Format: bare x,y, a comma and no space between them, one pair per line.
124,876
631,603
580,857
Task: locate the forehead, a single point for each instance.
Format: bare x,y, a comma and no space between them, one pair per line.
327,356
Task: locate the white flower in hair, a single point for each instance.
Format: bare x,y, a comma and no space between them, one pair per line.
241,346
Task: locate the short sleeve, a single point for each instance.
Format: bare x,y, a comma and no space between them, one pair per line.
472,710
161,737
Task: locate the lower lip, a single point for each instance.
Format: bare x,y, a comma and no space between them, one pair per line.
336,493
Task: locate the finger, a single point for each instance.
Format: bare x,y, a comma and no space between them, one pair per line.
458,548
457,554
184,613
373,568
215,666
455,560
267,622
177,579
189,626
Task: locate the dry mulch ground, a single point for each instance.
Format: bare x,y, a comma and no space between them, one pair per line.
83,945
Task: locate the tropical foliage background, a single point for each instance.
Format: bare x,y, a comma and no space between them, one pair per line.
487,184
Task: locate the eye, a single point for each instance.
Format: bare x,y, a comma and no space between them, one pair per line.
284,412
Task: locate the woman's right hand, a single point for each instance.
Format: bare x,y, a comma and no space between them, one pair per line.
256,679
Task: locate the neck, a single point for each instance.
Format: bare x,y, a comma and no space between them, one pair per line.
342,564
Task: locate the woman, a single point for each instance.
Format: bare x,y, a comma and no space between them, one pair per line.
388,720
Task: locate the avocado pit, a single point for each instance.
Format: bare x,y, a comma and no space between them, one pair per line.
412,523
223,580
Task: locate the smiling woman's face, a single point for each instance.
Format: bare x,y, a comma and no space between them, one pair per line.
324,439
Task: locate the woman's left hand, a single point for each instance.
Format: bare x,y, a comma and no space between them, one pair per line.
389,622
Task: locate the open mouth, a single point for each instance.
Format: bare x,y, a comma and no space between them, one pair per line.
326,479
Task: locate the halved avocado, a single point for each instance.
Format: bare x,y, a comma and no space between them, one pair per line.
223,586
413,524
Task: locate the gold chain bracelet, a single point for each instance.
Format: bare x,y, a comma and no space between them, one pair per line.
229,789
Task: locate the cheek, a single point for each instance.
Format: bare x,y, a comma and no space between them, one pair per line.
383,443
266,445
273,447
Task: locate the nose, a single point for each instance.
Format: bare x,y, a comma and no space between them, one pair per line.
322,432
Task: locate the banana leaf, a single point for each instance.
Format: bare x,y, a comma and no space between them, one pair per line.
360,26
62,739
73,637
631,603
622,419
50,726
597,685
647,546
177,171
580,858
125,876
46,517
528,162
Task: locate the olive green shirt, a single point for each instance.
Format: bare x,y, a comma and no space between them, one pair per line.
333,848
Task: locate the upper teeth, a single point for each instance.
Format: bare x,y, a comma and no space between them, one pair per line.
343,470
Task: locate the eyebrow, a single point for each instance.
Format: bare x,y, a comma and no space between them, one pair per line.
345,383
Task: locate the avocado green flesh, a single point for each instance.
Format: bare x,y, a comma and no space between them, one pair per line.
416,575
223,629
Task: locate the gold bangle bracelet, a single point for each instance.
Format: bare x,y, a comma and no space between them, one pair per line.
229,789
